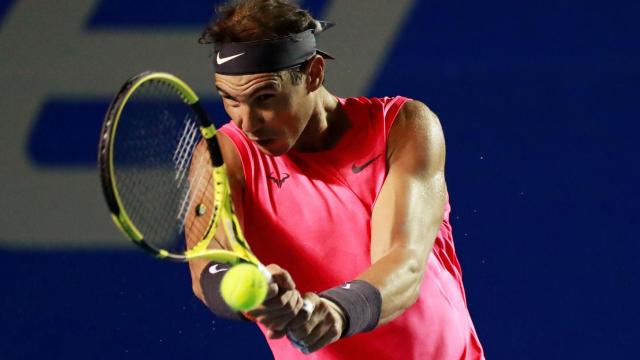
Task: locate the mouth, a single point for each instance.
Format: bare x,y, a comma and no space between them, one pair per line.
264,142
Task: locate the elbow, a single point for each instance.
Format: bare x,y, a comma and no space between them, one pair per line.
415,270
196,287
414,295
197,291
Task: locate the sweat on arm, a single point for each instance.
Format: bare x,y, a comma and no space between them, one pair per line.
409,210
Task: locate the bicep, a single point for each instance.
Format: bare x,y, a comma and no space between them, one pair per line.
411,203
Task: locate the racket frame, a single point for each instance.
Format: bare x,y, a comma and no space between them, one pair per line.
240,251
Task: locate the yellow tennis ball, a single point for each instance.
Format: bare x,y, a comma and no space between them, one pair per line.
243,287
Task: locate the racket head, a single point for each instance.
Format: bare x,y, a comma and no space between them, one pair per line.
162,171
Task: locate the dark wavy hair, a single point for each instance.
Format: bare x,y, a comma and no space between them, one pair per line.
250,20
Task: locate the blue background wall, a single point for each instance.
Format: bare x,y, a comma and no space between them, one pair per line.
538,102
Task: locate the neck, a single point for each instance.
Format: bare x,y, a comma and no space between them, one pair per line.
326,124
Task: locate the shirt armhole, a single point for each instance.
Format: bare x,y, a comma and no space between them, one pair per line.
240,143
243,148
390,111
390,108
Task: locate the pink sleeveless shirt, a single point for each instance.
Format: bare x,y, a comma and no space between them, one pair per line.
310,213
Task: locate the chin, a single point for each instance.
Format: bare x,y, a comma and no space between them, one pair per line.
275,148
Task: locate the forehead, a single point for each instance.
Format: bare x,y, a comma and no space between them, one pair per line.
245,84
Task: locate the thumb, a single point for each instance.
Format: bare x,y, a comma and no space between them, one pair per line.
281,278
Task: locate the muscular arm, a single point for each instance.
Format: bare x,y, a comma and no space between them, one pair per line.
404,225
236,181
409,209
283,301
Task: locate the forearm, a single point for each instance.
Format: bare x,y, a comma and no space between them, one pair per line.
397,276
195,268
402,239
208,291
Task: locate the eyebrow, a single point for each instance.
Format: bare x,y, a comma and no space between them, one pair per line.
268,86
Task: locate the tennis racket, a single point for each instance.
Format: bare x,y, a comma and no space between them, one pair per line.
163,175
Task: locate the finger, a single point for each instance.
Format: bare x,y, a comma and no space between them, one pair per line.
272,291
326,339
281,277
286,303
314,335
281,319
270,315
270,305
276,322
318,315
280,301
304,314
328,330
294,306
276,334
327,325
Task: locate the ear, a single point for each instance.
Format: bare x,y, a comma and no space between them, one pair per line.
315,73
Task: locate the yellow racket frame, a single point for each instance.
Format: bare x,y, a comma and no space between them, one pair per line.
240,251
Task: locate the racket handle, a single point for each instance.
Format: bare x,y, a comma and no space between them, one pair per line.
307,306
265,272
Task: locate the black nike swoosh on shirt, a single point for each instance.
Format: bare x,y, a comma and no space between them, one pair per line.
356,169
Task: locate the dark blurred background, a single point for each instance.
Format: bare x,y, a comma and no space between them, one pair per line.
538,102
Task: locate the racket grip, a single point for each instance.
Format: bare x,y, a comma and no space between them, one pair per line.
265,272
307,306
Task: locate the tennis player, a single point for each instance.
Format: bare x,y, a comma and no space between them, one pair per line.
346,195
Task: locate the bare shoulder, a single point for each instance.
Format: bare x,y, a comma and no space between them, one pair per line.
416,134
232,161
415,118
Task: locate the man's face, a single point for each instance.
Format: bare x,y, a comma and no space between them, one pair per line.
269,108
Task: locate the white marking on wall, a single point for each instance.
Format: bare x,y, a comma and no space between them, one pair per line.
45,51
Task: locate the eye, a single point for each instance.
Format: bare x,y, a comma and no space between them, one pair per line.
263,98
229,100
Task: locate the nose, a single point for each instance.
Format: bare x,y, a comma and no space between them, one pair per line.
249,120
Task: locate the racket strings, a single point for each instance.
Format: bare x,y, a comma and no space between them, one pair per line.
155,168
182,158
200,185
182,155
